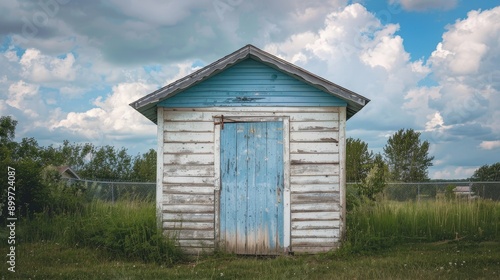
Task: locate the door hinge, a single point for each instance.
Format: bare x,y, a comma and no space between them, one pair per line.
221,122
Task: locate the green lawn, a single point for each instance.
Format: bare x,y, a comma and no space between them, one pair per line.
444,260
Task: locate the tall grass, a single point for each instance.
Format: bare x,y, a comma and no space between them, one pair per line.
124,229
386,223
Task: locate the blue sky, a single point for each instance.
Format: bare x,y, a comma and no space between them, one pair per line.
69,69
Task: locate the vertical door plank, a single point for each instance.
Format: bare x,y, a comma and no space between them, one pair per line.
228,191
252,198
241,185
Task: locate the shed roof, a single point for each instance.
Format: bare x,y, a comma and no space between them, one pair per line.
147,104
68,171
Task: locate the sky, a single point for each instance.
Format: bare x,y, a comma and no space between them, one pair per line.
69,69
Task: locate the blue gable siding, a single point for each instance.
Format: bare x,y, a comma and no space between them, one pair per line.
251,83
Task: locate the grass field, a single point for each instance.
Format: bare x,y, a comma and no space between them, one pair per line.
453,260
385,240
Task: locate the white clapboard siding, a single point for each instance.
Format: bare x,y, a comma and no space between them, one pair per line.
315,126
187,126
315,233
307,242
188,208
316,216
188,217
311,197
314,182
318,245
315,169
191,190
207,114
189,159
314,188
182,170
313,117
181,225
194,244
321,136
189,137
198,180
176,198
311,225
313,148
314,158
314,207
308,180
190,148
190,234
188,177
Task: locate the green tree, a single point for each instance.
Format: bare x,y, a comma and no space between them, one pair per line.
23,158
487,173
408,157
144,168
108,163
73,155
29,149
358,160
376,179
7,129
7,134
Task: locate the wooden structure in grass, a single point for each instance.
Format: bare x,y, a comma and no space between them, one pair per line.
251,156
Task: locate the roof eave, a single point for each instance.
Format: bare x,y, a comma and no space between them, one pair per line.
144,105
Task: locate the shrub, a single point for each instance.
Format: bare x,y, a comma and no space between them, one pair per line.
123,230
450,192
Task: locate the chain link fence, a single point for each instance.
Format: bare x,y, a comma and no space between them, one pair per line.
113,191
441,190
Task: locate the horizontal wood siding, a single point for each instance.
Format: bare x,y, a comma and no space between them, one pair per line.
314,181
251,83
314,175
188,176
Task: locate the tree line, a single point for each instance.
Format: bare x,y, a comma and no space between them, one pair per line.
405,158
89,161
36,183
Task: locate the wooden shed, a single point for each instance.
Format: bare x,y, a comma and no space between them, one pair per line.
251,156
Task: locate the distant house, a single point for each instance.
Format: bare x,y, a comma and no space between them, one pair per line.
67,173
463,191
251,156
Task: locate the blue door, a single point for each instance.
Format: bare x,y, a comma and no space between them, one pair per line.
251,195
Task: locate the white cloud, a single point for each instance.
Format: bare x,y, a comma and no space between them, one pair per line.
469,46
490,145
20,95
11,56
112,118
422,95
465,65
38,67
453,172
293,48
355,50
425,5
462,108
184,69
381,50
435,122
